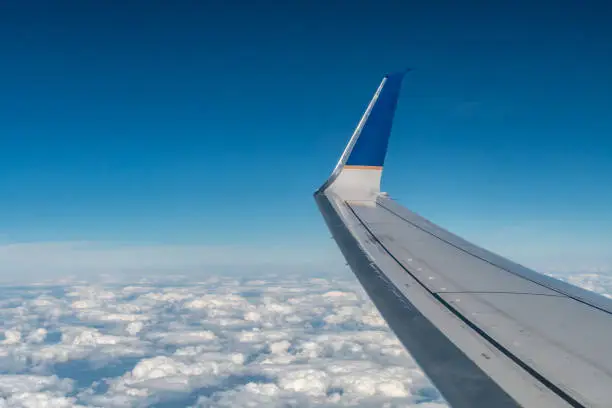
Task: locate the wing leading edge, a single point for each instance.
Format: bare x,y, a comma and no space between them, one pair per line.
486,331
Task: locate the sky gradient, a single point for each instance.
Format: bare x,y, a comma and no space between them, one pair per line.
211,123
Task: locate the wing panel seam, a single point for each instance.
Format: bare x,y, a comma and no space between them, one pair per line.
490,262
554,388
501,292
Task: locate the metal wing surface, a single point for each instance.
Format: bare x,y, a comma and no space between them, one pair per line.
487,331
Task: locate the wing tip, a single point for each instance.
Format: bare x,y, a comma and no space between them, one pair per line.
401,72
372,136
367,147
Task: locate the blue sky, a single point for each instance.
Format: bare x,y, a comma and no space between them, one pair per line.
211,123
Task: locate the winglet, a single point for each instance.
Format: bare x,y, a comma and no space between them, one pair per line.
358,172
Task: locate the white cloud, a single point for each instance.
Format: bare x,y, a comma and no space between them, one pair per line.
12,337
182,338
133,328
282,339
37,336
10,384
595,282
219,342
33,391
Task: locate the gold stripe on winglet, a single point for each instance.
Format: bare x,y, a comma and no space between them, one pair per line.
363,167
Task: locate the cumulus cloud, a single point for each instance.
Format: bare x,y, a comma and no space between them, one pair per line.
222,341
595,282
31,391
217,342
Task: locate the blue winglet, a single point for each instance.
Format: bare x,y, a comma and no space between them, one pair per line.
371,146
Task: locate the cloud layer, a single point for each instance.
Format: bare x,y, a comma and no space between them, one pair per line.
220,342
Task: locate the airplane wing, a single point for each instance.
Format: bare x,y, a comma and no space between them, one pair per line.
487,331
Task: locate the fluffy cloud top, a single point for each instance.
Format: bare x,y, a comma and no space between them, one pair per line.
221,342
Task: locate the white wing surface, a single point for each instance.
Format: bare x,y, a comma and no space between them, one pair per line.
487,331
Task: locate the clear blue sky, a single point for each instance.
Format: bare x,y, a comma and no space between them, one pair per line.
213,122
